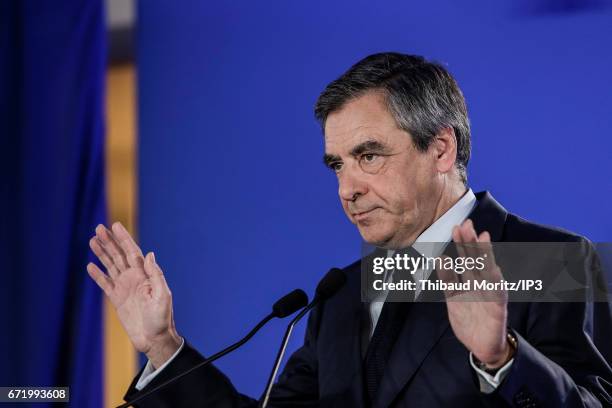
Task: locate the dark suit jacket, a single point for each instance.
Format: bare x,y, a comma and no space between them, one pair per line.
562,359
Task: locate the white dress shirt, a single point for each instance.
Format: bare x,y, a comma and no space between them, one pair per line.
439,232
149,372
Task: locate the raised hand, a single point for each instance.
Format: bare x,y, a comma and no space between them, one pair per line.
478,317
136,287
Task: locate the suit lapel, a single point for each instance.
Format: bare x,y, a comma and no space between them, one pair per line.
347,343
424,325
489,215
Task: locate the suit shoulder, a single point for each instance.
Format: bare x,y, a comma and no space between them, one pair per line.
355,266
520,229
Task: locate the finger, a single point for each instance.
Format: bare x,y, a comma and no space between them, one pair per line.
132,251
111,246
102,280
456,234
473,248
459,240
470,248
103,256
460,250
466,237
469,236
487,248
160,287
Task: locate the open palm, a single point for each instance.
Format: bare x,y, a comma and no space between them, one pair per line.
478,317
135,286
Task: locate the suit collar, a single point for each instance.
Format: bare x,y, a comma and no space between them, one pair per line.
489,215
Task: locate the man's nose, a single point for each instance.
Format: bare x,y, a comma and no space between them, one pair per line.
351,184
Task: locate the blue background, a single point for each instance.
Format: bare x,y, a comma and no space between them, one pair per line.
233,197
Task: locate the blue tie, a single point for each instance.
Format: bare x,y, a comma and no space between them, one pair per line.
385,334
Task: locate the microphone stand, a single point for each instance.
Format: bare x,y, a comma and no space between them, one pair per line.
203,363
281,352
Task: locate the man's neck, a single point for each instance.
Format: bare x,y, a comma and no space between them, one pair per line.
449,196
447,200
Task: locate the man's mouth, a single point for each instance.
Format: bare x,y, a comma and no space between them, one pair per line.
359,216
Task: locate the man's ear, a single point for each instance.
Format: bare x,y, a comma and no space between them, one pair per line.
445,149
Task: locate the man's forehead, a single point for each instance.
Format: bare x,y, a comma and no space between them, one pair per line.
343,142
364,118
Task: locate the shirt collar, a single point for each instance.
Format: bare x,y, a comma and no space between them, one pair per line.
441,231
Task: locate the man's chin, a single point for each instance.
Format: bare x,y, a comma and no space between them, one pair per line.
375,238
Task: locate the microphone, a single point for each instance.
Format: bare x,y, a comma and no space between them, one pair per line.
285,306
327,287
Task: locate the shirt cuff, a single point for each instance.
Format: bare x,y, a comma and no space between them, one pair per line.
149,372
489,383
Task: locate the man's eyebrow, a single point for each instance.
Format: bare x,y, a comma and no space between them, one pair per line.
328,159
368,146
373,146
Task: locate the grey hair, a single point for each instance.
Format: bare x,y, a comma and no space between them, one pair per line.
422,96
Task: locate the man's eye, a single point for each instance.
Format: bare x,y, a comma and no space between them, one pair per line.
336,166
369,158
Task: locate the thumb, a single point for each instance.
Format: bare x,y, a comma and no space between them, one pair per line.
156,276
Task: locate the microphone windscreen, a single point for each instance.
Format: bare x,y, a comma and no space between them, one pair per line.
290,303
330,284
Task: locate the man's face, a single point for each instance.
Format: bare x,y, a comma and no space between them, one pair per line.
386,186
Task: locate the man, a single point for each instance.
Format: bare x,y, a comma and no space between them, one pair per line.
397,137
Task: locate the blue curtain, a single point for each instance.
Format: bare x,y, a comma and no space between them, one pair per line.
52,67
